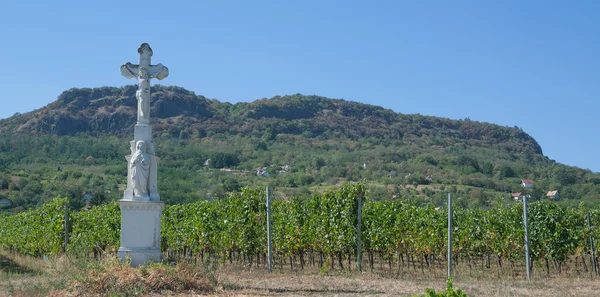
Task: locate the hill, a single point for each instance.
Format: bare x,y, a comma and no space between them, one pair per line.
305,143
175,111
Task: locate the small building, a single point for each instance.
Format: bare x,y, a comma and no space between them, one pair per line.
517,195
262,172
5,202
552,194
87,196
285,168
527,183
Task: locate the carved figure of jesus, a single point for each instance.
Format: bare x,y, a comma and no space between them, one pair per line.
143,97
140,169
144,71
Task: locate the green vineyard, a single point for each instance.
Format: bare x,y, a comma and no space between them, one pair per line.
321,231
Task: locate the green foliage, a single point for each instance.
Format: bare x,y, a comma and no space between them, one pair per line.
223,160
325,223
35,232
76,145
449,292
96,229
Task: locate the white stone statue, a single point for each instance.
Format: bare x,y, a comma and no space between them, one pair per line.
144,72
142,182
141,207
143,97
140,169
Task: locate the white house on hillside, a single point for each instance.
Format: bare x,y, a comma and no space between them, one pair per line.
517,195
552,194
527,183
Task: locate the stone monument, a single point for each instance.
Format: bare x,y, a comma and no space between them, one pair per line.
141,206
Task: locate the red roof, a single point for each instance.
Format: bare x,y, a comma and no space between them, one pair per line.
552,193
518,194
527,181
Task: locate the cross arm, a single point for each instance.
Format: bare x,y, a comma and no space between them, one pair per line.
129,70
158,71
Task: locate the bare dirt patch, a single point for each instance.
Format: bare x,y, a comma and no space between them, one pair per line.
65,277
261,283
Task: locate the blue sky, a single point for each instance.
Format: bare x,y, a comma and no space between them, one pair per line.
531,64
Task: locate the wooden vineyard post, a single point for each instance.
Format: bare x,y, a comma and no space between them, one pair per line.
269,245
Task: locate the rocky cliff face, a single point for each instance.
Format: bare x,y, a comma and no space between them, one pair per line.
106,111
180,113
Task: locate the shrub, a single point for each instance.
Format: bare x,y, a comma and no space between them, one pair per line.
450,292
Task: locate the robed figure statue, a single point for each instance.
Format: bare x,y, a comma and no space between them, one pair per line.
140,169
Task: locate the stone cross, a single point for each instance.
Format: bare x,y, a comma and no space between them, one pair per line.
141,207
144,71
142,170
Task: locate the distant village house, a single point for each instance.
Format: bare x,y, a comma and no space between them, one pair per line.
517,195
262,172
552,194
527,183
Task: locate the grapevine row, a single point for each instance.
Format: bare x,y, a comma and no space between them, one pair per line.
318,230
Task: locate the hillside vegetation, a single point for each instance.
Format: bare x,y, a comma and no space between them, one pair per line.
307,144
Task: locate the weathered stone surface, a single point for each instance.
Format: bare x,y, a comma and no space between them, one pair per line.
140,231
141,206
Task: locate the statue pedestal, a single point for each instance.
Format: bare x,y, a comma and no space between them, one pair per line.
140,231
141,207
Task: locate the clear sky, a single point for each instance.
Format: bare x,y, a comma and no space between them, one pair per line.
531,64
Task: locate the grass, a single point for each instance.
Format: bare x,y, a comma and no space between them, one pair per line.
61,276
70,276
260,283
113,277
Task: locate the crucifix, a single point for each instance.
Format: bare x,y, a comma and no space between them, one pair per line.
141,207
144,72
142,170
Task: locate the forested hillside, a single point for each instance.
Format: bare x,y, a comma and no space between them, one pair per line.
305,144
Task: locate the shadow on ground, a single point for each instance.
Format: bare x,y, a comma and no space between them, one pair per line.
8,267
307,291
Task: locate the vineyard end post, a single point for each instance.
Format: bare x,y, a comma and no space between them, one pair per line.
359,235
526,222
269,245
449,235
66,225
589,220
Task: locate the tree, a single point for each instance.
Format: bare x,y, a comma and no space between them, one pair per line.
504,171
565,176
4,180
319,162
260,145
223,160
230,184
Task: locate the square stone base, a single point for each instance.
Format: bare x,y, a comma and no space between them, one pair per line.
140,256
140,231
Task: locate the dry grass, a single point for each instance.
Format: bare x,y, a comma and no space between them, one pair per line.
115,277
64,276
260,283
28,276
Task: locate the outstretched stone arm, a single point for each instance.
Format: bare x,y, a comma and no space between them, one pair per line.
129,70
158,71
